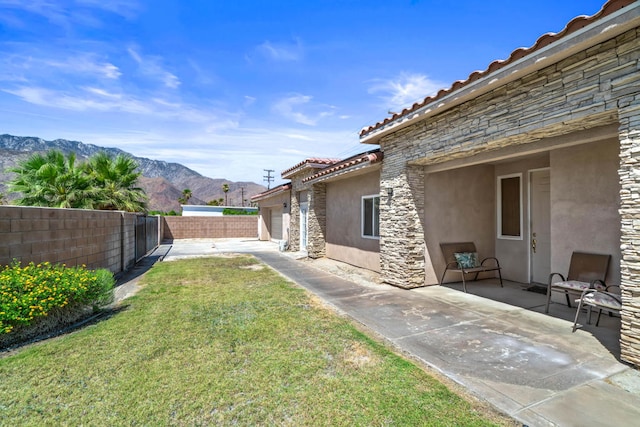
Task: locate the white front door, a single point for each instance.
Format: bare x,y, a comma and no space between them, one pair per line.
304,215
540,239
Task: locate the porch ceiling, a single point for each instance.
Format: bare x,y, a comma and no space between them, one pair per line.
523,144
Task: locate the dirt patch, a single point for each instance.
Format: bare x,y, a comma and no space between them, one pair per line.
253,267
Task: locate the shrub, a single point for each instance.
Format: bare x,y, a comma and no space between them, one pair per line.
30,293
239,211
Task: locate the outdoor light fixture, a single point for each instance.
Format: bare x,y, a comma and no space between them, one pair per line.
390,192
284,205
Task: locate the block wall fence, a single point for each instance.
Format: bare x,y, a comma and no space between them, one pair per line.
209,227
99,239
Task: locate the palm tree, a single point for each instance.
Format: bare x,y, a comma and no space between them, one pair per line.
225,189
186,195
115,181
52,180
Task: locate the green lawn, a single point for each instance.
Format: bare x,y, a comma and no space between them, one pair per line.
223,341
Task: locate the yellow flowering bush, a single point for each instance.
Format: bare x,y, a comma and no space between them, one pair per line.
31,292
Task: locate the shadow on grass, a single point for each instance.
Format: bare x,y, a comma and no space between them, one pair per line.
47,330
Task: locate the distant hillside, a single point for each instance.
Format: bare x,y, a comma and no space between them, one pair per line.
162,181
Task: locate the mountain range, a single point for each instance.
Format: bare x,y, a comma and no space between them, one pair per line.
162,181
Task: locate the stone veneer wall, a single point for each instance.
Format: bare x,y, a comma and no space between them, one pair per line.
97,239
317,221
294,220
298,187
630,240
402,244
209,227
582,91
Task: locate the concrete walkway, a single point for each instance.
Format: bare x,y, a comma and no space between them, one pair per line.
526,364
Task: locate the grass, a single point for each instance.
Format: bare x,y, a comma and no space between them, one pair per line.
223,341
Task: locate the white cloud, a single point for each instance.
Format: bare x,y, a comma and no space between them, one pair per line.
150,66
126,8
84,63
291,108
405,90
70,14
282,51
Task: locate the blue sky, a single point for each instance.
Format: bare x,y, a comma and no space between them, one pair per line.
230,88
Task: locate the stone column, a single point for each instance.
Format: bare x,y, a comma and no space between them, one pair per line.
402,244
630,231
317,221
294,221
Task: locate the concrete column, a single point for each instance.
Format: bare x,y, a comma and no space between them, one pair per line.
630,230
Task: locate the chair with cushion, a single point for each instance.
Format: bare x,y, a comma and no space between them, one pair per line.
462,257
602,300
586,271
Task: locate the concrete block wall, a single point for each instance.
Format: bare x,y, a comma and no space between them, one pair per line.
69,236
202,227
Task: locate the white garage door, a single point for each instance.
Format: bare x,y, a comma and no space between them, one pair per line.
276,224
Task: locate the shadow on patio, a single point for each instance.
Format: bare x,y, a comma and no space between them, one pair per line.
516,294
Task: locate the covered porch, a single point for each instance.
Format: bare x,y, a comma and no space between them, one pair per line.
522,296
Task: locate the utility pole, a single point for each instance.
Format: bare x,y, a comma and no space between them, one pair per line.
268,177
242,190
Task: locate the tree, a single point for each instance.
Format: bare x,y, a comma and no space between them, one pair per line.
225,189
186,195
3,199
52,180
115,180
215,202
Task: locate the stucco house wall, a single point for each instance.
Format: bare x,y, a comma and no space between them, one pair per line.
459,207
344,241
280,202
585,203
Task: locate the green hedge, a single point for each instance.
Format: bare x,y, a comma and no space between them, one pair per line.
238,211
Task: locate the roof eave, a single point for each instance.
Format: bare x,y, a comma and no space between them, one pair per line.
597,32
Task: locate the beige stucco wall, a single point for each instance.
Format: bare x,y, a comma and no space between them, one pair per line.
514,254
344,241
459,207
266,206
585,198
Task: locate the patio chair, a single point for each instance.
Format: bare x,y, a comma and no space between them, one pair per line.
586,271
602,300
462,257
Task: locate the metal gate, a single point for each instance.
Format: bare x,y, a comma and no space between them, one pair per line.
146,235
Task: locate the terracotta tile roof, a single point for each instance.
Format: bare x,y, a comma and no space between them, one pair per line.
342,166
275,190
575,24
313,162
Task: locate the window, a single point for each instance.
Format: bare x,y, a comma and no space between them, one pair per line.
371,217
510,207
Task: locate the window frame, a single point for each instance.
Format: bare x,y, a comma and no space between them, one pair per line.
375,223
500,234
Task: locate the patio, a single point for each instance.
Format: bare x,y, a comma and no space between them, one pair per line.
516,294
